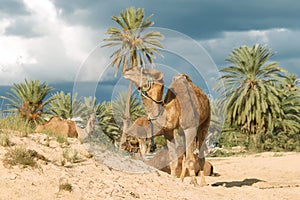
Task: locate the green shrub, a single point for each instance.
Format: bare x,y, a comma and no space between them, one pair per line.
231,139
62,140
281,142
71,156
257,143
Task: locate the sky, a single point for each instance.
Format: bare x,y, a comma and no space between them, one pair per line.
59,40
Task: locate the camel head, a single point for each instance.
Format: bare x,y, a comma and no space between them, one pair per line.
150,84
141,76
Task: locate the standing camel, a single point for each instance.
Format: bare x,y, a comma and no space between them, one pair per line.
185,107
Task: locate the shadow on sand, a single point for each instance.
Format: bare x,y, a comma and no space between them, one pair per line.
245,182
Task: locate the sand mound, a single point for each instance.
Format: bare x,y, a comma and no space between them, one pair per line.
72,170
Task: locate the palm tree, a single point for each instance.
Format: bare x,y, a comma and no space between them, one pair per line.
107,122
28,100
290,104
134,47
65,106
118,108
249,95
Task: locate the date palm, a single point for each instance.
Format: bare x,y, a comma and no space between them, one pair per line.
290,103
28,100
133,47
119,105
249,95
65,105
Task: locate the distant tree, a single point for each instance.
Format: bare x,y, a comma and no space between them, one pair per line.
249,95
66,106
28,100
135,47
119,105
289,122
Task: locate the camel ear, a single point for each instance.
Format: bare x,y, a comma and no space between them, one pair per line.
156,75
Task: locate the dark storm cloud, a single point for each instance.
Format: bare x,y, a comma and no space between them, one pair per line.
12,8
197,18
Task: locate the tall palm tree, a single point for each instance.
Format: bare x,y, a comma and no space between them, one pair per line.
249,95
28,100
134,47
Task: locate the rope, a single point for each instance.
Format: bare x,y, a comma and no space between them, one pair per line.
145,94
153,146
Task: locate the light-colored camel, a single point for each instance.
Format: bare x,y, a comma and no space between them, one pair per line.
185,107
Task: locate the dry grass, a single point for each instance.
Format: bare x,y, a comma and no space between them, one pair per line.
64,185
17,124
5,140
71,156
20,156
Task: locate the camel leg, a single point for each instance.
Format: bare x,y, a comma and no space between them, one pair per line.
183,168
202,162
143,147
189,161
202,147
172,156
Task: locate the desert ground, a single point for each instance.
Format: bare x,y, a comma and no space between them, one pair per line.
96,173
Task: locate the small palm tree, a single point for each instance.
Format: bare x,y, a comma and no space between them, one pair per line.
65,106
28,100
119,105
250,96
108,123
134,47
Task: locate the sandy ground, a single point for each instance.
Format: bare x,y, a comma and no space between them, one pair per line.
260,176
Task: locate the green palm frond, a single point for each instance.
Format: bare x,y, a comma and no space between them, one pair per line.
250,95
65,105
118,108
133,48
28,100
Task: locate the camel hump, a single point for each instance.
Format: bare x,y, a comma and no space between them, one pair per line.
184,90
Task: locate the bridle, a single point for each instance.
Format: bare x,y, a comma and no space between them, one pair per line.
144,93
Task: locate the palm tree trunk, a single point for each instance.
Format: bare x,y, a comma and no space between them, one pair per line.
126,118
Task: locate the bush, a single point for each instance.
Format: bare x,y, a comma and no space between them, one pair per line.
281,142
231,139
65,185
266,142
20,156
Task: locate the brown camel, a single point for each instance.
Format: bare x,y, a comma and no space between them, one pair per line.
185,109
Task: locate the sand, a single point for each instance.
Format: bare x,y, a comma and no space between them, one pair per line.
97,173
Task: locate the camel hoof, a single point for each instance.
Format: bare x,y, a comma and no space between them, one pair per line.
203,184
